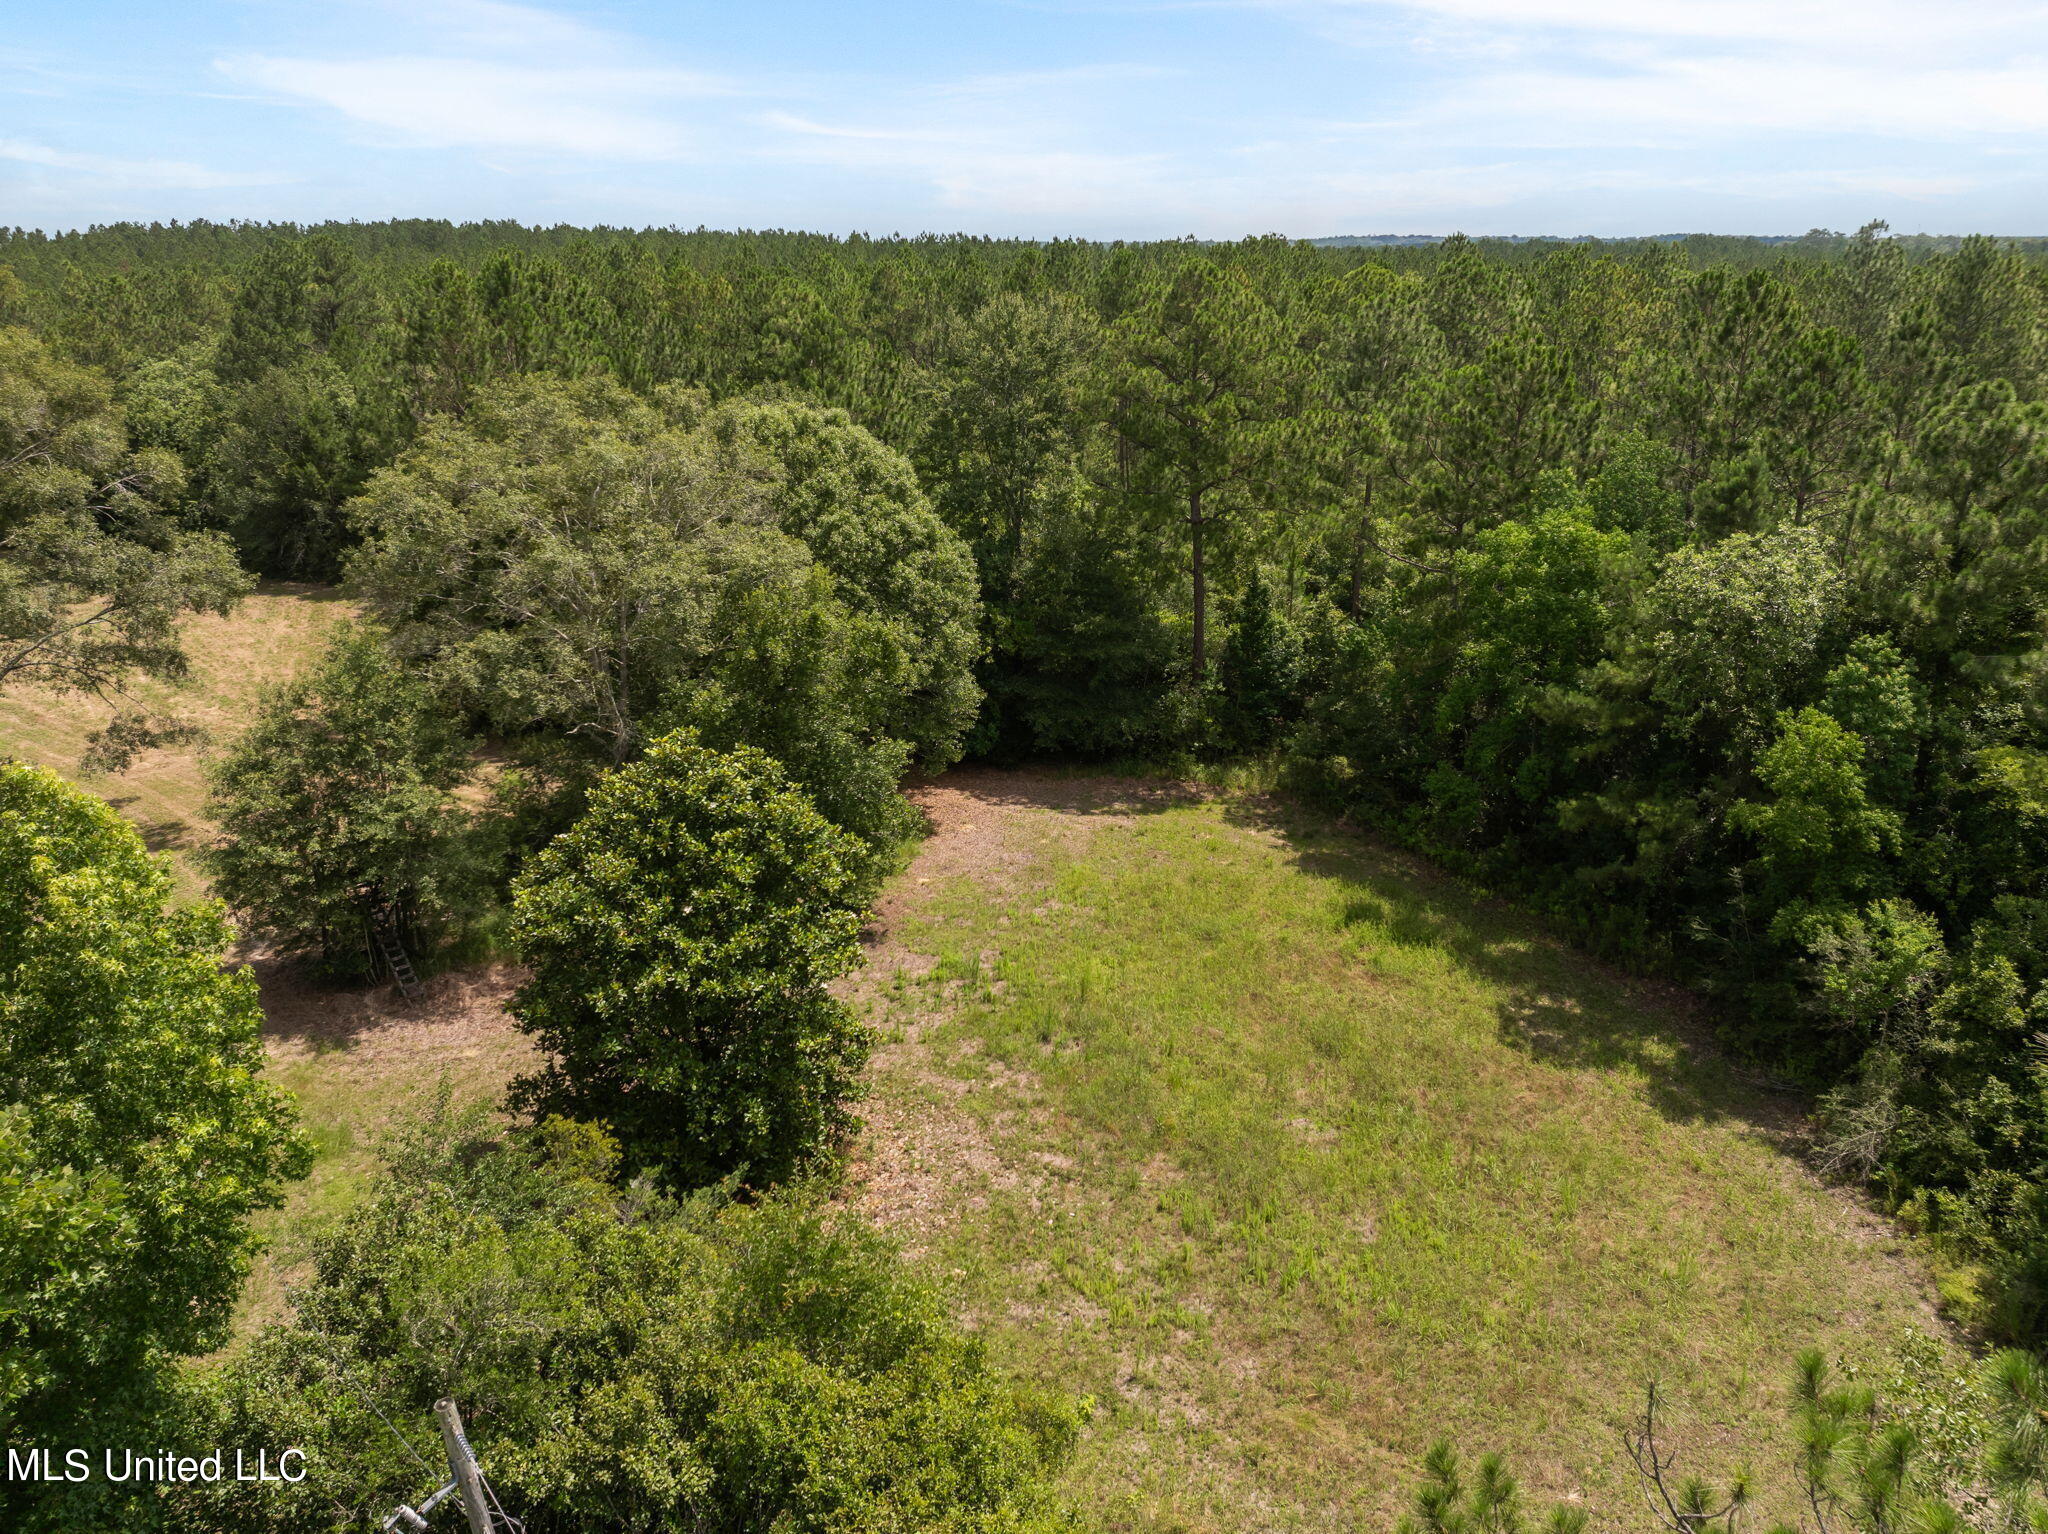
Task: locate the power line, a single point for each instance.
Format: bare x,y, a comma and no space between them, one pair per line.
341,1370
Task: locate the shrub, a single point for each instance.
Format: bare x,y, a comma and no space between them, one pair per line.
625,1362
681,935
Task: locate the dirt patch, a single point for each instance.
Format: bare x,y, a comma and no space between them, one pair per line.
919,1166
992,826
454,1019
923,1160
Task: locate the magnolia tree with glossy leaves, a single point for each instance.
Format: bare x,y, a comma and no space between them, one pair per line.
681,936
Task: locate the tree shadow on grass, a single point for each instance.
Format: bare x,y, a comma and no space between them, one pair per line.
455,1008
1070,790
305,591
1561,1006
169,835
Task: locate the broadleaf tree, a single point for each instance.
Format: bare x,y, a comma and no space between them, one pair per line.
336,809
681,935
94,579
137,1134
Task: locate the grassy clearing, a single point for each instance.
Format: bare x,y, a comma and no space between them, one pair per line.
267,638
1289,1152
1296,1155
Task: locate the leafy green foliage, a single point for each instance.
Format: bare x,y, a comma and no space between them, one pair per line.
1822,838
135,1134
1007,430
1084,659
1688,590
790,685
1257,672
284,460
556,559
625,1362
93,577
583,569
681,936
335,808
856,505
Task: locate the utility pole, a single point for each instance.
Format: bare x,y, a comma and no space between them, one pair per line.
469,1480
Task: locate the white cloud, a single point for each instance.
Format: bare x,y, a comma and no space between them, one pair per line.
178,175
491,25
1723,96
490,74
1001,166
1038,81
588,109
1842,25
1644,73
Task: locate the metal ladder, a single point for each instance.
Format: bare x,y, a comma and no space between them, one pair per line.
402,972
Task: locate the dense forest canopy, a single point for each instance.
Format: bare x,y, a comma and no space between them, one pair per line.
1690,590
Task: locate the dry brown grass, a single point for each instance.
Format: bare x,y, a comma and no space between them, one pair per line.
355,1060
263,642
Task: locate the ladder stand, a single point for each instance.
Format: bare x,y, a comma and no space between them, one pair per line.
385,931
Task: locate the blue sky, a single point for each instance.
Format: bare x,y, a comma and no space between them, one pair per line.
1103,118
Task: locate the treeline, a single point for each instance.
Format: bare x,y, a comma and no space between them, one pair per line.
1691,591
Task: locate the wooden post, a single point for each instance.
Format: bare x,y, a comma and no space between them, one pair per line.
469,1481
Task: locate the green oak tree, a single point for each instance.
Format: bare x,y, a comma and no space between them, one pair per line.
336,809
94,577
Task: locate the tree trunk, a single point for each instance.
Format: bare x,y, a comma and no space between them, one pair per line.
1357,568
1195,527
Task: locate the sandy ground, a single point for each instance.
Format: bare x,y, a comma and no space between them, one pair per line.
921,1164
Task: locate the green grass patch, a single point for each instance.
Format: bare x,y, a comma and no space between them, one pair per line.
359,1067
1309,1155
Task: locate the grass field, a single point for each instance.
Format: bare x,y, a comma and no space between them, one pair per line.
1290,1152
267,638
1295,1155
